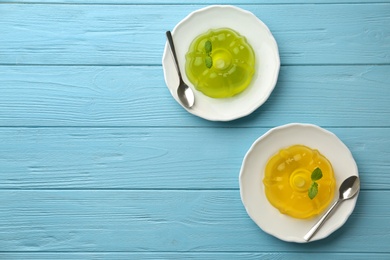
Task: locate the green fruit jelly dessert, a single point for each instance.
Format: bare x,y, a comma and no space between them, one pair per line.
220,63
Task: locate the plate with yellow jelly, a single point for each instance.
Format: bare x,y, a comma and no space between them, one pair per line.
290,177
232,65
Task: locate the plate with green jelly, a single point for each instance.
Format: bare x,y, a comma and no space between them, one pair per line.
232,65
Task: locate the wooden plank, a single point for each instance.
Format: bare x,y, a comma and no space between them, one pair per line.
155,221
156,158
134,34
339,96
197,2
197,255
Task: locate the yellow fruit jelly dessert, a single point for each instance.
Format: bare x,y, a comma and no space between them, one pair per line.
220,63
288,178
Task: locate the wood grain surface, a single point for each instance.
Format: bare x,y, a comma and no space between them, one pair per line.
156,158
97,161
174,220
134,34
334,96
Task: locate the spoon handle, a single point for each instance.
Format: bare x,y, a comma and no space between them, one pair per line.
314,229
172,47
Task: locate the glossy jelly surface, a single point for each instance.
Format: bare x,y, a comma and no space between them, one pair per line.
287,180
225,69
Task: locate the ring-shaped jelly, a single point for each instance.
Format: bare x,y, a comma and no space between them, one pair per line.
232,67
287,180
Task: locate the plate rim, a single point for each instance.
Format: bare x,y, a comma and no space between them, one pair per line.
290,238
254,105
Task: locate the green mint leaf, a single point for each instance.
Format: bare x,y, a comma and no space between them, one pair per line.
208,47
313,190
209,62
316,174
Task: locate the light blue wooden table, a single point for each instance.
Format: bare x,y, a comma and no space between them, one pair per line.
97,161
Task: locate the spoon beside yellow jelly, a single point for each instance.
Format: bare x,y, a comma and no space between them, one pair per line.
348,189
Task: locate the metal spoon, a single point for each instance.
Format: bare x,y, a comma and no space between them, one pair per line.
185,93
348,189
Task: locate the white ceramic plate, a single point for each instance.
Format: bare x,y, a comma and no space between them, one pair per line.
267,217
257,35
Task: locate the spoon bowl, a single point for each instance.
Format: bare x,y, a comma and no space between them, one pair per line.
184,92
348,189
